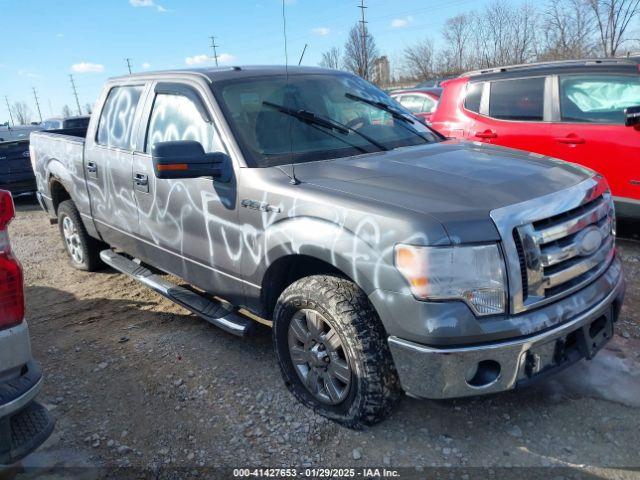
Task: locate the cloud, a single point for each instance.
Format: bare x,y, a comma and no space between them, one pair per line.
86,67
28,74
322,31
147,3
226,58
146,65
197,59
200,59
401,22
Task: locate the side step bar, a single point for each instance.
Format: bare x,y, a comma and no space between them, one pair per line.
220,314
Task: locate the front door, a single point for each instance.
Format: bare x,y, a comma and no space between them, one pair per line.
189,227
591,130
108,164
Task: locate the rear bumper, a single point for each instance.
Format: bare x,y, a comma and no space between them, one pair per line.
24,424
437,373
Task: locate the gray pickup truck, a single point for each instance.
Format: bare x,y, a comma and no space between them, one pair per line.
385,257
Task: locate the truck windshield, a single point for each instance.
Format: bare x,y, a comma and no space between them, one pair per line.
272,136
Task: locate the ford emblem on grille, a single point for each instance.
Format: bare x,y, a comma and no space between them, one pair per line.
588,241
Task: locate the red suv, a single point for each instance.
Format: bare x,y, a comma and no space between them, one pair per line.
586,112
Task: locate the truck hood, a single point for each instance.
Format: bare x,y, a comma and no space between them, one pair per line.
457,182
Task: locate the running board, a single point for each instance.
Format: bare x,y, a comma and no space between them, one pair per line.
218,313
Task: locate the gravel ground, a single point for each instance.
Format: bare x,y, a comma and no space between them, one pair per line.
136,381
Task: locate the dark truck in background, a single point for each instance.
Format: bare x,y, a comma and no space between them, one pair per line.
386,257
16,172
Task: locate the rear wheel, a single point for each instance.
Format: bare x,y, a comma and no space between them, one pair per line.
333,352
83,250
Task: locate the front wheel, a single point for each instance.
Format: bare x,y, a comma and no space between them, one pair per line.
333,352
83,250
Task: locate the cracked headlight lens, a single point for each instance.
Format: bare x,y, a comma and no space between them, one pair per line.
474,274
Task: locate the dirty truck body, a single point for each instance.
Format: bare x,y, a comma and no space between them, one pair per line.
445,268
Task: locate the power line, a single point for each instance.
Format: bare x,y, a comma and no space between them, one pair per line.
75,93
35,96
9,109
128,64
363,23
302,55
214,47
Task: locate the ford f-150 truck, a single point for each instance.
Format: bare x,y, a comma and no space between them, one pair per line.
386,257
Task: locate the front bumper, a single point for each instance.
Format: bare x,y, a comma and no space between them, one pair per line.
450,372
24,424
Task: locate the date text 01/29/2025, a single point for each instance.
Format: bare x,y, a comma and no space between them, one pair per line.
315,473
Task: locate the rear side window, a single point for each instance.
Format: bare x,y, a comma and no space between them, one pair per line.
417,103
116,119
175,117
598,98
520,99
473,97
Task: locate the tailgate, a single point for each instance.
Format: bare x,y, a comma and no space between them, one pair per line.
14,158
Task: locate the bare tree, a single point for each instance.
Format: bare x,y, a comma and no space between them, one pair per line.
331,59
457,34
360,52
21,113
419,60
66,111
506,34
567,28
613,18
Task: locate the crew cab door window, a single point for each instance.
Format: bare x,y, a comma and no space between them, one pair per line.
598,98
117,117
520,99
176,117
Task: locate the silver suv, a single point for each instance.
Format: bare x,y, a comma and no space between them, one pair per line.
24,424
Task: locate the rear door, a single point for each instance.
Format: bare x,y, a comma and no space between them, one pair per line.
589,127
514,113
108,165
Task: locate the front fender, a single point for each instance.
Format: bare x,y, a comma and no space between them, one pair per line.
364,254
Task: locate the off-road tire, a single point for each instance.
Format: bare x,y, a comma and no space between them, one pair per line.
374,387
88,246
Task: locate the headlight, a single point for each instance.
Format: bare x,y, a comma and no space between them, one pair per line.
474,274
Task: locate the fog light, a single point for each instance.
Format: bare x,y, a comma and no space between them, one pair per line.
485,373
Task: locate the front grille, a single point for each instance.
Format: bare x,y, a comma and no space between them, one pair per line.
561,253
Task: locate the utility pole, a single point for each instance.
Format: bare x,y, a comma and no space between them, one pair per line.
214,47
365,59
128,64
75,94
302,55
35,96
9,109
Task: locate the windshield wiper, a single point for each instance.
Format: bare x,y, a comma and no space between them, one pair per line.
390,110
315,119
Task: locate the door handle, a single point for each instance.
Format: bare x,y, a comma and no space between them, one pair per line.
141,179
486,134
92,167
571,139
141,182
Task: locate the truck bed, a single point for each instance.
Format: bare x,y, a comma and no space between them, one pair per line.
59,155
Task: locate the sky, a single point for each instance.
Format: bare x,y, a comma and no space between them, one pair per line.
43,42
